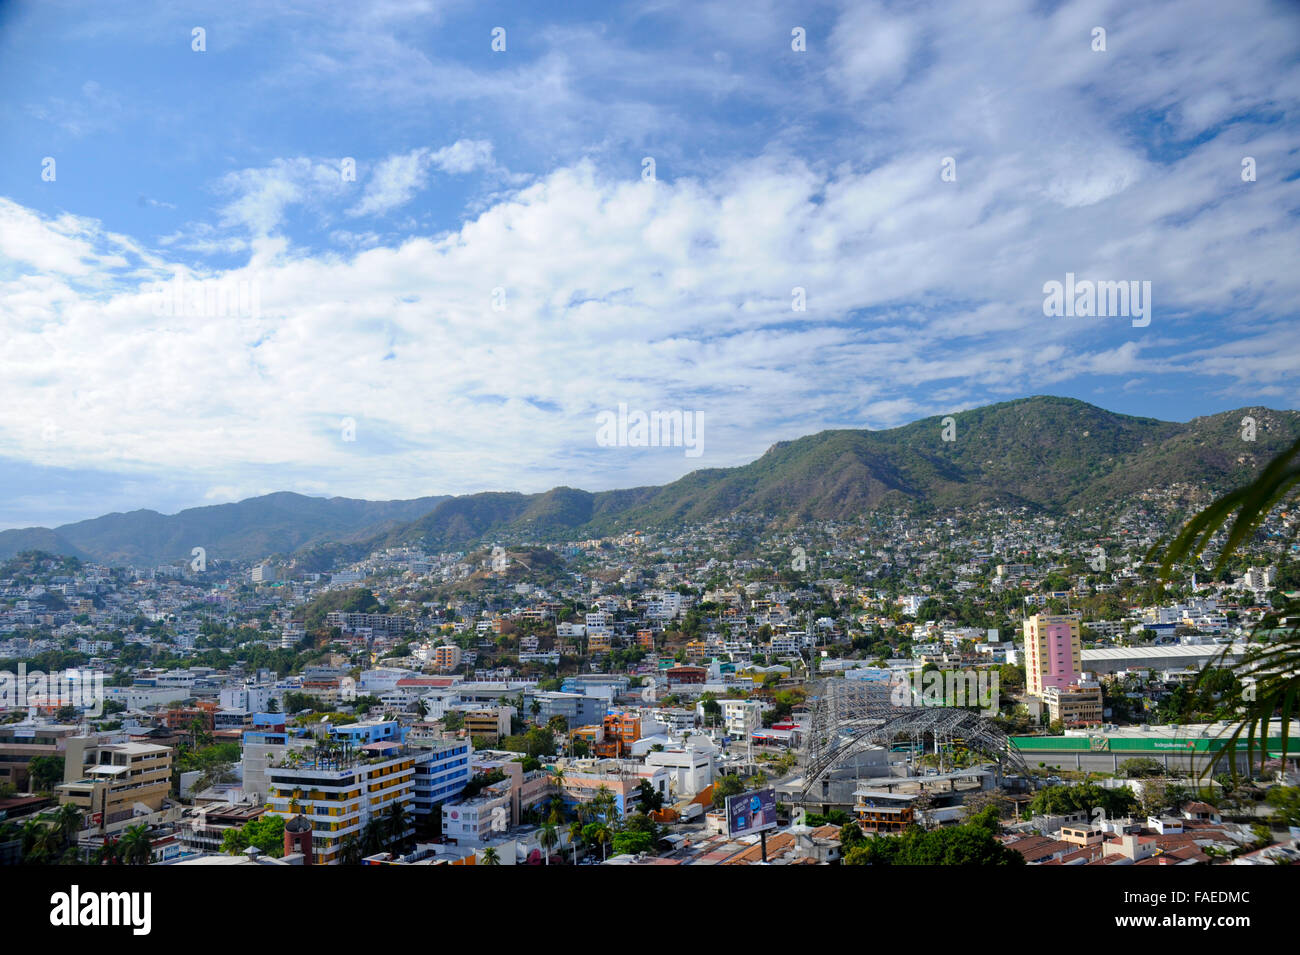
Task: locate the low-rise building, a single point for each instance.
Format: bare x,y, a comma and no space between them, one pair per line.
112,784
1079,704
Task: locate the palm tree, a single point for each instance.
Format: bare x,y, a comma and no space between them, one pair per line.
107,854
556,815
40,842
422,707
199,732
602,835
350,850
548,837
1274,670
575,833
398,822
67,820
372,839
490,856
135,845
604,803
583,811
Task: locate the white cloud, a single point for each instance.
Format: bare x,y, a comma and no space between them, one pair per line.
677,294
397,179
463,156
261,196
663,295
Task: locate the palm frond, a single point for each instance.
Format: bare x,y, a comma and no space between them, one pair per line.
1271,672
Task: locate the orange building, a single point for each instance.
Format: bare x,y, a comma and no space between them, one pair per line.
621,730
591,735
181,717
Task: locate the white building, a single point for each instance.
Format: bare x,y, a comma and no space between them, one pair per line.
690,770
250,698
473,821
741,717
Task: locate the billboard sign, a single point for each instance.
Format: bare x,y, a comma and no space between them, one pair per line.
751,812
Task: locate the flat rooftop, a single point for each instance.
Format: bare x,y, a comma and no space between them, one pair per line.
1173,653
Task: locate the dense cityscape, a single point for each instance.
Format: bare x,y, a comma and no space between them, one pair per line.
599,700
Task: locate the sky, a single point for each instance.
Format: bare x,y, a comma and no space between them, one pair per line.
428,266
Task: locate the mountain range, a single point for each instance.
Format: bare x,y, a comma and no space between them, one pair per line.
1049,453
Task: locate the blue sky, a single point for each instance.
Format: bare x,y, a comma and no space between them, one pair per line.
366,357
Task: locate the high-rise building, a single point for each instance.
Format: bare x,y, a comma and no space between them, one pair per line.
442,768
1053,651
340,792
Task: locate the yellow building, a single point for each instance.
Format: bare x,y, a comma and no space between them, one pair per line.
339,800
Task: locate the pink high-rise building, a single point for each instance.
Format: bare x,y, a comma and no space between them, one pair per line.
1053,651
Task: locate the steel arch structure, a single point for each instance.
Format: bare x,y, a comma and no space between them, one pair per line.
848,716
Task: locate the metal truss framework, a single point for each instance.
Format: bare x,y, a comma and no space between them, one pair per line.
847,716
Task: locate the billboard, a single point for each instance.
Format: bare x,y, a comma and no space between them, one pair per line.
751,812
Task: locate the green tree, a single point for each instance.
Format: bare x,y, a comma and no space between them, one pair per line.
605,804
46,772
1286,800
265,833
135,846
972,843
1066,800
729,785
649,798
1141,766
632,843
